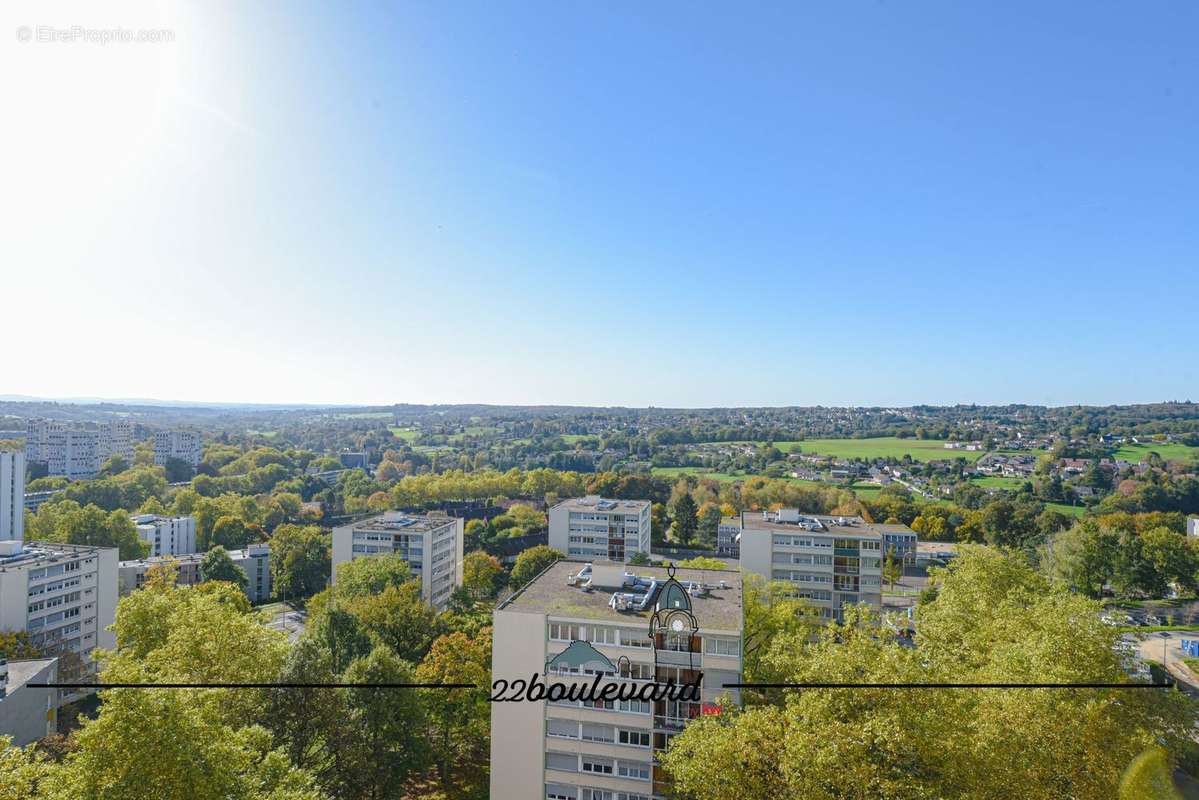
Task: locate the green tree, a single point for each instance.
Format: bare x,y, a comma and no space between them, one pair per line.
685,519
703,562
531,562
218,566
459,719
386,743
480,572
230,532
709,524
892,570
300,560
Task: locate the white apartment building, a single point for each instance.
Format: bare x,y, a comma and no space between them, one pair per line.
183,444
605,530
432,546
75,451
832,562
64,596
12,495
167,536
254,560
640,627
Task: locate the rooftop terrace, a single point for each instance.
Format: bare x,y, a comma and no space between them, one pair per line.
549,593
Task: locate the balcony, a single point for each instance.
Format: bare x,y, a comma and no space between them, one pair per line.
845,551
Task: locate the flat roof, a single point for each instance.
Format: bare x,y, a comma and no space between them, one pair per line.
602,504
549,593
21,672
853,526
403,523
34,553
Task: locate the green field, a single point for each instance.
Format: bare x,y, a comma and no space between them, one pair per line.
407,434
472,430
1136,453
881,447
265,434
573,438
996,482
699,472
1072,511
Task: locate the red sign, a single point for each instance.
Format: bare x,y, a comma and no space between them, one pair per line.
708,709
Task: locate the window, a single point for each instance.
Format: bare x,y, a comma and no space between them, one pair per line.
562,728
597,765
635,706
722,647
598,733
561,632
633,738
600,635
633,769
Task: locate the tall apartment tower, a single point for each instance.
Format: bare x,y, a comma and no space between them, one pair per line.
605,530
832,562
184,444
167,536
432,546
634,629
65,597
12,495
74,451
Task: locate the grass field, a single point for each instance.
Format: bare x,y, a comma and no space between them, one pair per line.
1136,453
472,430
1073,511
996,482
265,434
573,438
881,447
699,472
407,434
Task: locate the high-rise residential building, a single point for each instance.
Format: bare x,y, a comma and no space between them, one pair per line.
167,536
75,451
12,494
599,624
728,537
594,528
28,713
64,596
832,562
184,444
254,560
432,546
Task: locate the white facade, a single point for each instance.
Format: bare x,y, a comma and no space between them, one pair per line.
167,536
12,495
254,560
74,451
1193,526
832,562
432,546
183,444
28,713
605,750
64,596
594,528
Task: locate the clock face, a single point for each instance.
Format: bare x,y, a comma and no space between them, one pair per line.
676,625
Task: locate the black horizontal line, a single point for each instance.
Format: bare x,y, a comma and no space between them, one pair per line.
945,685
252,685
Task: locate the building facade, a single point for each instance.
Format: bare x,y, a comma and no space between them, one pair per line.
591,527
75,451
728,537
183,444
64,596
12,495
832,562
28,713
638,628
254,560
432,546
167,536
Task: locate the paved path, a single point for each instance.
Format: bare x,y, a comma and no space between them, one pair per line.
1151,646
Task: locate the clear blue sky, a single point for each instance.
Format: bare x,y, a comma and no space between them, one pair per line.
649,203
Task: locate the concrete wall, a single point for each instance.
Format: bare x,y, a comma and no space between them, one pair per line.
518,729
28,714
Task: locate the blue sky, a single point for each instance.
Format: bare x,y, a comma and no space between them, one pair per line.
641,204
